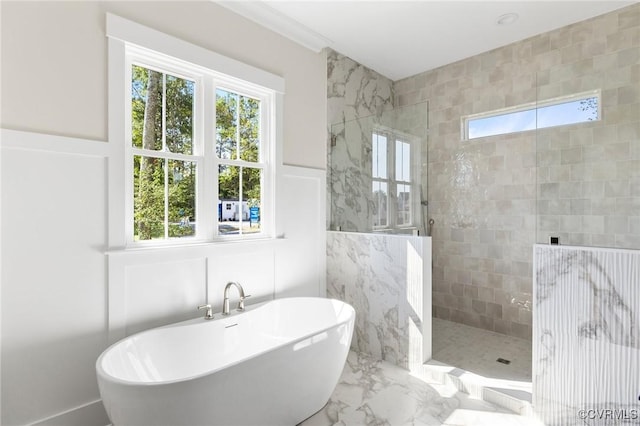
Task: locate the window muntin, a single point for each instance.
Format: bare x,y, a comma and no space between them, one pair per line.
161,139
403,185
173,172
392,180
579,108
240,167
379,179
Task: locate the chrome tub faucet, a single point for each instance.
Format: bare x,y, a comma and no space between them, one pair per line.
225,305
209,314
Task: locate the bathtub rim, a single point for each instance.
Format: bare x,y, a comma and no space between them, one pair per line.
113,379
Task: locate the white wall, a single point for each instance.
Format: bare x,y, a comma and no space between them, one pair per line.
54,66
64,296
54,274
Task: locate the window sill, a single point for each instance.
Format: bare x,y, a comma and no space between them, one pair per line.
168,246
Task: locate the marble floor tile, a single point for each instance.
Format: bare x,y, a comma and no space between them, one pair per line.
372,392
476,350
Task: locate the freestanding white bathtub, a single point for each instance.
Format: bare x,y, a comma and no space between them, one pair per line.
276,364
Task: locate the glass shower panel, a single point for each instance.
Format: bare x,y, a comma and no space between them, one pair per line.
377,176
588,174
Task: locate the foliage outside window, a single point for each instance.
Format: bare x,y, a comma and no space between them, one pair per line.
238,151
180,179
162,137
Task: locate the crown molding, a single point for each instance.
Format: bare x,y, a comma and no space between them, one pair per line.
268,17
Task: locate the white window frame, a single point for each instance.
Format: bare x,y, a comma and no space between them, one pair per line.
385,180
393,137
131,43
465,120
410,183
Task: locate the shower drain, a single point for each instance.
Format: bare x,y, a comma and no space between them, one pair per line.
503,361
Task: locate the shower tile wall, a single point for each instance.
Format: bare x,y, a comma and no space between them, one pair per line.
387,279
482,193
589,174
353,91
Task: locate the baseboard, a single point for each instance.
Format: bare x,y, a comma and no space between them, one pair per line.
91,414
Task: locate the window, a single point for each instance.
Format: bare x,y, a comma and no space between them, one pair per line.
403,183
200,134
566,110
380,180
168,155
240,169
392,179
162,149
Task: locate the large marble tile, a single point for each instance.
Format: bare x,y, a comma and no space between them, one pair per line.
385,278
373,392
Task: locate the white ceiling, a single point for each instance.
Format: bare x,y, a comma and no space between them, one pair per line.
402,38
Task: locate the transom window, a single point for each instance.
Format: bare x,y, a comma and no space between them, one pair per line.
578,108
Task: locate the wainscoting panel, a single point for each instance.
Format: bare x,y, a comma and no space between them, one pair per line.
163,292
67,295
302,217
54,289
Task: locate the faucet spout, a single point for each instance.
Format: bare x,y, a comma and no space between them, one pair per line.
225,306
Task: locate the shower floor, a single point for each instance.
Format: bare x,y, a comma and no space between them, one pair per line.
476,350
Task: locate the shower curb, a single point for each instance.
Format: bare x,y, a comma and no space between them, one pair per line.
476,386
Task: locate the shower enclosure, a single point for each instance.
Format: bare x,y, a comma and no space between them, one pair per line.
378,172
499,200
498,203
378,259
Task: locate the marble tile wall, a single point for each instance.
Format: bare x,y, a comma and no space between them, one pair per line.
383,276
359,102
387,279
355,91
356,97
586,335
483,194
350,182
350,178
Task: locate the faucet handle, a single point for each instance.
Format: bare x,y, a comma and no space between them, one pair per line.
241,303
209,314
